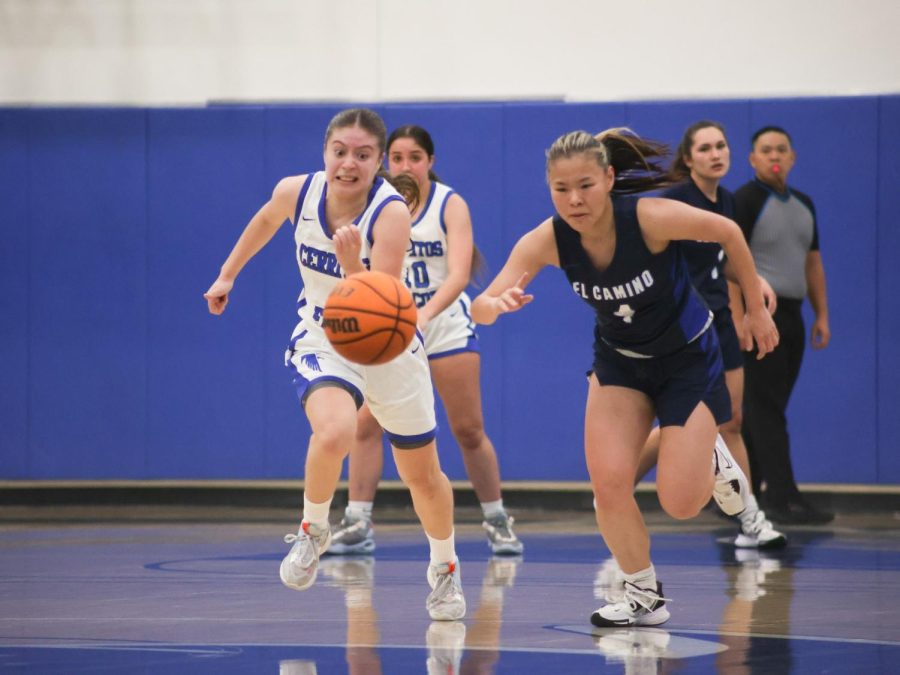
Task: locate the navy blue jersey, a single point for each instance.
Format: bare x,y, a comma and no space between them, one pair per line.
645,302
705,260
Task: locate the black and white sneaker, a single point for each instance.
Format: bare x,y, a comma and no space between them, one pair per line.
731,486
757,532
640,607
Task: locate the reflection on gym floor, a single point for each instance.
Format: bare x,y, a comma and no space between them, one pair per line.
197,598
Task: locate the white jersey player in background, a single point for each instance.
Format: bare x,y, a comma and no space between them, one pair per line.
438,267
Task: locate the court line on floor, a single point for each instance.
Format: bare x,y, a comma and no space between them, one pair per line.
582,630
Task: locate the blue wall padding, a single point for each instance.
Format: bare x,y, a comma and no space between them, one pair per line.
115,221
14,293
88,293
208,159
887,300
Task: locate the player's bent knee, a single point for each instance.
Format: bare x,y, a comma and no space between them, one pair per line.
681,507
469,437
610,496
333,439
423,483
366,436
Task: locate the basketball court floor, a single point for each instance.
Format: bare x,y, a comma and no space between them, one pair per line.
140,594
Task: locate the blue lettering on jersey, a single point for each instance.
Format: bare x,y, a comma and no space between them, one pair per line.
422,298
321,261
425,249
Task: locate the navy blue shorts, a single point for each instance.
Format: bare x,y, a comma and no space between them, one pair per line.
732,357
676,383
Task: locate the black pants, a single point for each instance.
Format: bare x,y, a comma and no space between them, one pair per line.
768,384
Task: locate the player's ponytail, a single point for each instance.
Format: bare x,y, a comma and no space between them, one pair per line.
405,185
635,160
478,270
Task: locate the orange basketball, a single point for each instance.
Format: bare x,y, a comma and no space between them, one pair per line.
369,318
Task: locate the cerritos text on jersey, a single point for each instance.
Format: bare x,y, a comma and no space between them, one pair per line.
325,262
425,249
627,290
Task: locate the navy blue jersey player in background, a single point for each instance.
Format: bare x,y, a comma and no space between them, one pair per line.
701,161
654,352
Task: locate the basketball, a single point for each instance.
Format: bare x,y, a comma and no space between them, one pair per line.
369,318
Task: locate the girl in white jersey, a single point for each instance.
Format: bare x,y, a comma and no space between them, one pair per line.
346,218
439,264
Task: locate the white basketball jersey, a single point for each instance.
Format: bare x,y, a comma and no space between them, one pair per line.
426,257
319,268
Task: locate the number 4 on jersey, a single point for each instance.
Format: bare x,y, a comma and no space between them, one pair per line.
625,312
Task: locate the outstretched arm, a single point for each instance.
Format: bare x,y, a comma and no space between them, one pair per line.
258,232
506,293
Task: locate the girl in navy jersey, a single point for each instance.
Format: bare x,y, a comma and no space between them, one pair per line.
654,352
701,161
439,265
344,217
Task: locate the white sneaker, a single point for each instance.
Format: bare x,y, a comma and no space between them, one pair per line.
446,641
301,564
446,601
731,484
640,607
757,532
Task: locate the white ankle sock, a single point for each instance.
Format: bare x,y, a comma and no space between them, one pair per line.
491,509
442,550
357,510
643,578
316,514
751,508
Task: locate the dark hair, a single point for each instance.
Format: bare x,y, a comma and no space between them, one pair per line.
767,129
630,156
407,187
421,137
478,268
365,119
679,169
